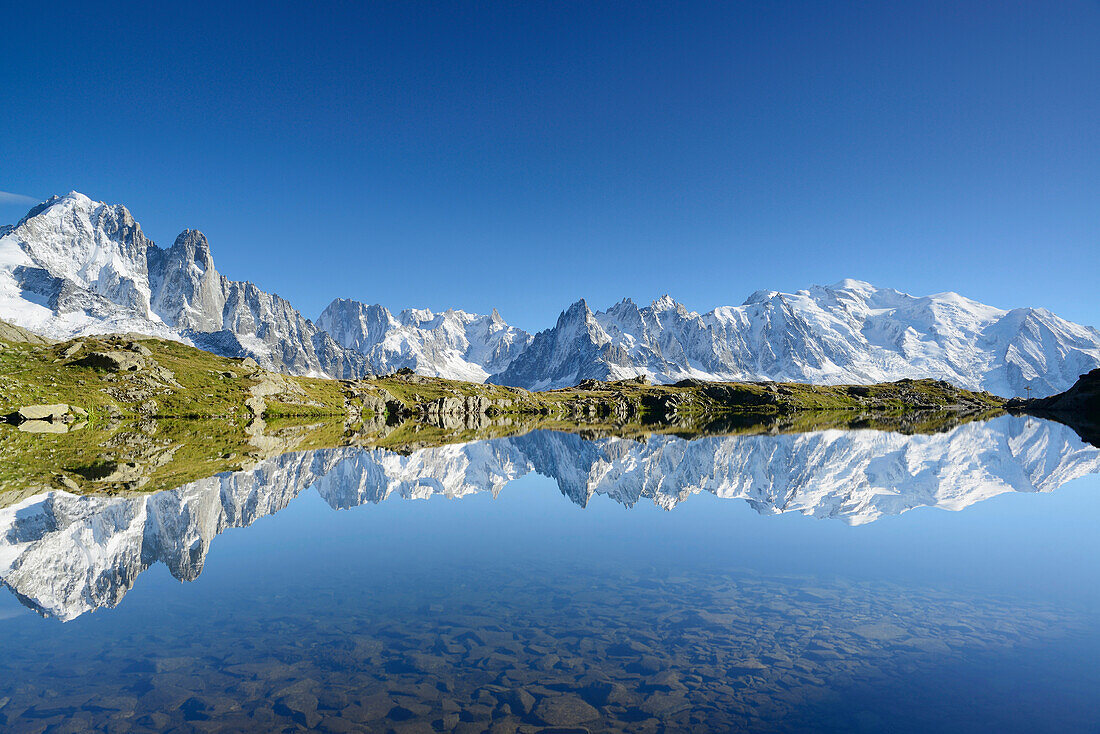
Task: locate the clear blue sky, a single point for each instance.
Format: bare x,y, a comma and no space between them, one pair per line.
522,155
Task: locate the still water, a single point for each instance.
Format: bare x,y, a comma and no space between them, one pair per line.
829,581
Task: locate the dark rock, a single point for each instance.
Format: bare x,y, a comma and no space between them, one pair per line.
112,361
300,706
1078,407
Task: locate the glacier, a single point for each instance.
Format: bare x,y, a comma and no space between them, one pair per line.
453,344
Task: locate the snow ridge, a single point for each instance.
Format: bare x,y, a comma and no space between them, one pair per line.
848,333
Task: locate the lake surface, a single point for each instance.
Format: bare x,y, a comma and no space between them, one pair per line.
828,581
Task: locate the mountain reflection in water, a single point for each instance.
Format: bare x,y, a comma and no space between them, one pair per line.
64,555
513,611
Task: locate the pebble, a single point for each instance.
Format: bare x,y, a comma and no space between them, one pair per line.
510,655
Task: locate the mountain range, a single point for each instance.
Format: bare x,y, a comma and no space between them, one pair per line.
64,554
73,266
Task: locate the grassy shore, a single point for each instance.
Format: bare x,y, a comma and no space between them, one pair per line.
149,414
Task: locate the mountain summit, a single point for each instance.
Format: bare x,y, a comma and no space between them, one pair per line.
72,266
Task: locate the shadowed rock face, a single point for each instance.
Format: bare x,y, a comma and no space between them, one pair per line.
1078,407
65,555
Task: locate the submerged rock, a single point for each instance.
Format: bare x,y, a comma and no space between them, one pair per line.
565,710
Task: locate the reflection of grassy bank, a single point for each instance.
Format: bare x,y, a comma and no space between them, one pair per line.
156,454
151,455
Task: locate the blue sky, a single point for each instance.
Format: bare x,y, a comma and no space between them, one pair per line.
523,155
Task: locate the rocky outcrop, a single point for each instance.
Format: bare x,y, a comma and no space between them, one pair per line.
17,335
1078,407
113,361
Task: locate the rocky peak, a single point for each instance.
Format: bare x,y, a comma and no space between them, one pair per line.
664,303
578,311
38,209
192,248
452,343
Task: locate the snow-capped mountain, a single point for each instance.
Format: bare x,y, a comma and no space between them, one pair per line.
851,332
73,266
65,555
452,344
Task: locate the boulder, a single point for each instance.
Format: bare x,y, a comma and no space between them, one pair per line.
112,361
54,412
71,350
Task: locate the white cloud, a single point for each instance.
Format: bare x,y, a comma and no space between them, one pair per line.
7,197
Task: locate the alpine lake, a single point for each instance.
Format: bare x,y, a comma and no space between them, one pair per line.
834,579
